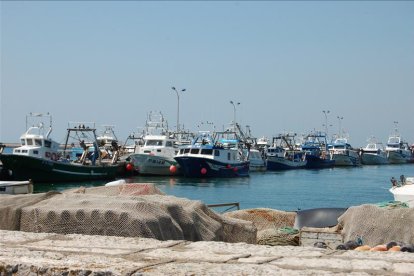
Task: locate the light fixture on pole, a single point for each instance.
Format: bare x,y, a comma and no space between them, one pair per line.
234,112
326,112
340,128
178,106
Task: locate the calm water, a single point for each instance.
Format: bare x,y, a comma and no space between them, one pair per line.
288,190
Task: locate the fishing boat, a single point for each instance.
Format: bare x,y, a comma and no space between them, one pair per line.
374,153
217,155
403,190
41,159
343,153
316,150
159,146
251,148
16,187
284,155
398,151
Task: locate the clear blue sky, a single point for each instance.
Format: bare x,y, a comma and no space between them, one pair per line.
285,62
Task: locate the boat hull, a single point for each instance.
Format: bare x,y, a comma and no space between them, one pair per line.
40,170
398,157
314,162
346,160
277,164
373,159
404,194
146,164
203,167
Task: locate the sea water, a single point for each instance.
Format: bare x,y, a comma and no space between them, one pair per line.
286,190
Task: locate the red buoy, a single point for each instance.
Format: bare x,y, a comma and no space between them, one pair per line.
173,169
203,171
235,169
129,167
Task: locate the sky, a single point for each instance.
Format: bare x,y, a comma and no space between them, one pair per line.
285,62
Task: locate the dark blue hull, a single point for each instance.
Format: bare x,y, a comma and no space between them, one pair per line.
315,162
203,167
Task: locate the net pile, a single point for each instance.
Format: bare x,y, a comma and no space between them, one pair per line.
274,227
132,210
377,225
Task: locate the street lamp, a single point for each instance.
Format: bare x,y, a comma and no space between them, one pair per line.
326,112
234,112
178,106
340,128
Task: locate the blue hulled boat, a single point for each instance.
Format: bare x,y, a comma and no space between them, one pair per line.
218,156
317,154
284,155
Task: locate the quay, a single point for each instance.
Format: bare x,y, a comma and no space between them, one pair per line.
24,253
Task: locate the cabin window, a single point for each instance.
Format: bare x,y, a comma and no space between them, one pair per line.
23,142
38,142
24,151
153,143
18,151
35,152
169,144
228,156
29,142
181,151
194,151
216,153
48,144
186,150
207,151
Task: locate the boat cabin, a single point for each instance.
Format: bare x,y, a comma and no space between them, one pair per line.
37,145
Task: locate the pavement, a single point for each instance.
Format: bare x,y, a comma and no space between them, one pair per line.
24,253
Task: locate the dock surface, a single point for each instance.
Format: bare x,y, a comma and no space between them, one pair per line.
23,253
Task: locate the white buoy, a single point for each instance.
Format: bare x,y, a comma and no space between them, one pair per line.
116,182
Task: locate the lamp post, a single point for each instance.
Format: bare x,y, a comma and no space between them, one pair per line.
326,112
178,106
340,128
234,113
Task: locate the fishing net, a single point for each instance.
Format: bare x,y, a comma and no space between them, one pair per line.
273,227
132,210
376,225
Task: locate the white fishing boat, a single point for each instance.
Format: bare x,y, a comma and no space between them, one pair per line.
374,153
398,151
156,155
403,191
343,153
257,163
16,187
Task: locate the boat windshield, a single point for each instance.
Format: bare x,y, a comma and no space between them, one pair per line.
153,143
393,140
23,142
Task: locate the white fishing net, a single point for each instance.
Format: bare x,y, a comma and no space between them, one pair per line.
377,225
132,210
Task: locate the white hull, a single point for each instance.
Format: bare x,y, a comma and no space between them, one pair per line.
373,159
404,193
257,168
346,160
398,157
16,187
154,165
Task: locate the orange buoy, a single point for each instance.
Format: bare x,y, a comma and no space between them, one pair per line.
173,169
